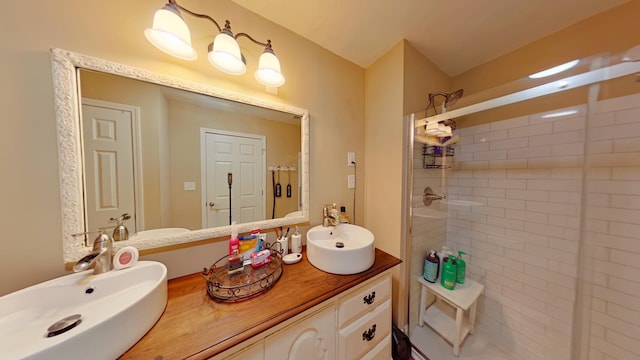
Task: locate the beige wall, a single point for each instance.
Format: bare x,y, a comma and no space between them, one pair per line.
383,148
331,88
396,84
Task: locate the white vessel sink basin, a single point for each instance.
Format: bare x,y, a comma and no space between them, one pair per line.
115,310
344,249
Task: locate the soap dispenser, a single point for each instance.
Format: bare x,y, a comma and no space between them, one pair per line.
462,268
120,232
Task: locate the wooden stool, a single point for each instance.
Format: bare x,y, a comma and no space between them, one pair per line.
446,316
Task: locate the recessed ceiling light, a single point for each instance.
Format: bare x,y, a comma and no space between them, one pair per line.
554,70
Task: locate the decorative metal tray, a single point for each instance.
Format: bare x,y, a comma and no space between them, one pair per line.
225,287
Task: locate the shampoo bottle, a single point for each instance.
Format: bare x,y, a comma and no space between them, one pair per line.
431,267
462,268
449,273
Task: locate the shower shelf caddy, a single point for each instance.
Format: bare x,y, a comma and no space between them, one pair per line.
430,153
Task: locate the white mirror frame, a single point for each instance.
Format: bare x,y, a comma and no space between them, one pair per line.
65,65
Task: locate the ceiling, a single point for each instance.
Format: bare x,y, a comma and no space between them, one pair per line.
456,35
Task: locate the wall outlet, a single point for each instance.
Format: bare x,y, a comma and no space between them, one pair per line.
351,181
351,158
189,186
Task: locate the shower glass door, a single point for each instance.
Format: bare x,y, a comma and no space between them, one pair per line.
543,195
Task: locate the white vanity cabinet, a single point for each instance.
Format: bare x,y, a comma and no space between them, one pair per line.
355,324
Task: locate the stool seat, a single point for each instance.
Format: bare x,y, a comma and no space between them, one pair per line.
437,305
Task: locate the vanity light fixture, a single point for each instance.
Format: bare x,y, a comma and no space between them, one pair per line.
171,34
554,70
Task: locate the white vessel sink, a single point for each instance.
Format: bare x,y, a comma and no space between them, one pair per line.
115,310
344,249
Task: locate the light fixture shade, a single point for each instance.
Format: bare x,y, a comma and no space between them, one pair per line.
170,34
268,73
224,54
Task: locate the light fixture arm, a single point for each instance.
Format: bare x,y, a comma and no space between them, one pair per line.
202,16
267,45
227,25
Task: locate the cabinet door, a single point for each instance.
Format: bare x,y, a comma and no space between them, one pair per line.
313,338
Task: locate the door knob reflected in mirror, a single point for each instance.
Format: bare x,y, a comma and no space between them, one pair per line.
211,204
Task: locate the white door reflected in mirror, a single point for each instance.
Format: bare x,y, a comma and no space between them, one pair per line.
238,197
111,149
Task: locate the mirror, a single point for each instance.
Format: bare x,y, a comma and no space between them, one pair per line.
178,180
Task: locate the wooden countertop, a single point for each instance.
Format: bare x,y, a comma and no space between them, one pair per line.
194,326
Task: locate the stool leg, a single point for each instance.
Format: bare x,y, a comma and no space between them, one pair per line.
423,305
458,336
472,316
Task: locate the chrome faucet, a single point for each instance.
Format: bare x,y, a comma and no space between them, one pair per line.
100,259
330,215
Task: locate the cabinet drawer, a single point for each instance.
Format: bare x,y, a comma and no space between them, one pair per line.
364,300
364,334
382,351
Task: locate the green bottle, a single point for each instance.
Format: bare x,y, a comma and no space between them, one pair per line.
462,268
449,273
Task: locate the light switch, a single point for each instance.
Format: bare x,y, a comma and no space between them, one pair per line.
189,185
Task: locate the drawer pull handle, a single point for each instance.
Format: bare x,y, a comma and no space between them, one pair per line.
369,334
369,298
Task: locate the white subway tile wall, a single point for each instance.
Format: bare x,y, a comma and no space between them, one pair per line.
525,179
612,234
